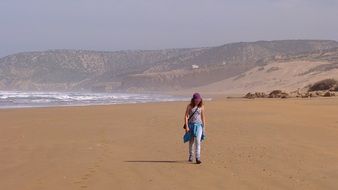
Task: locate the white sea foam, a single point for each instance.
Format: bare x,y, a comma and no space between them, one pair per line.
17,99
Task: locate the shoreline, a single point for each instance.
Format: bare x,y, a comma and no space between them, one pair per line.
86,105
17,100
215,98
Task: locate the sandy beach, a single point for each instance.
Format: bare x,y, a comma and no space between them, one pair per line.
251,144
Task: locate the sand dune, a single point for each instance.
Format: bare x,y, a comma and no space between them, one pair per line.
288,76
251,144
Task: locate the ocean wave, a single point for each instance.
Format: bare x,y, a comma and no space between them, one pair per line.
17,99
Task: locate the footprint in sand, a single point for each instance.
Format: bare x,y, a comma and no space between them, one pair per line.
99,160
92,171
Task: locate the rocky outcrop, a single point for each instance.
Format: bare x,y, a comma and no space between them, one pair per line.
329,94
273,94
293,94
256,95
326,84
278,94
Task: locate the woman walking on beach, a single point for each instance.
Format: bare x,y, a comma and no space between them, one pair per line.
195,126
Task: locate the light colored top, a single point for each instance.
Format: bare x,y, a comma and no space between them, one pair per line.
196,118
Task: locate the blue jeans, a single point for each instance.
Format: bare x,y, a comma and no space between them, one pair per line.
196,131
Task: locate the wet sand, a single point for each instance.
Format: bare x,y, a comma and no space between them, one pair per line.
251,144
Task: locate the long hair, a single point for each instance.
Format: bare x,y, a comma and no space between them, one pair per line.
192,103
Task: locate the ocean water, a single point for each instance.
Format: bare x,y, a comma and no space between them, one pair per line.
17,99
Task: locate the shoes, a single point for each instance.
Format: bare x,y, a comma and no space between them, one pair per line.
198,161
190,158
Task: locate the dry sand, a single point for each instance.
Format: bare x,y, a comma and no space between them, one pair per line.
251,144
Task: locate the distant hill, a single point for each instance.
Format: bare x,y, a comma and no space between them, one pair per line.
221,69
289,73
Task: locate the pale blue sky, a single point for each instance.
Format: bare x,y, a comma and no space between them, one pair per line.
30,25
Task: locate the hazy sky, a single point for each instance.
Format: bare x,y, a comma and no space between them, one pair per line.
29,25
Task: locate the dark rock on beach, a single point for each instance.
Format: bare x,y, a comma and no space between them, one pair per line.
273,94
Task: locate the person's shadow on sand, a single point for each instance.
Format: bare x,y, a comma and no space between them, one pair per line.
158,161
